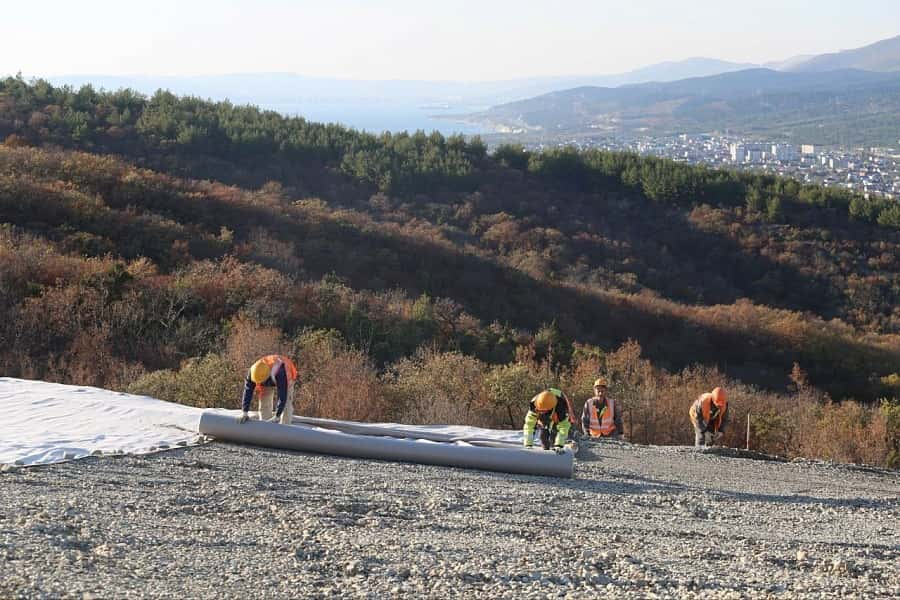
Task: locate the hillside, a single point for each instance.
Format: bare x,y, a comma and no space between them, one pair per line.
883,55
287,524
842,106
217,232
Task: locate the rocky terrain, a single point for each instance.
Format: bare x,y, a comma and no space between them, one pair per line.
228,521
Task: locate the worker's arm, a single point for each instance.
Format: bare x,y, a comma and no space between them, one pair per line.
586,417
723,422
281,382
249,388
528,430
562,432
697,413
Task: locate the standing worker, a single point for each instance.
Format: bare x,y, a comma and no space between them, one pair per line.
550,411
601,416
268,374
709,414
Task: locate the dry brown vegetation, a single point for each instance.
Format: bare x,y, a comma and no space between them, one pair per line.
451,292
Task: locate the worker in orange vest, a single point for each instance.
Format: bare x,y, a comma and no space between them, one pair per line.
266,376
601,416
550,410
709,414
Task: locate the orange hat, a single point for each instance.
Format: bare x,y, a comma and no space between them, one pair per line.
719,398
545,401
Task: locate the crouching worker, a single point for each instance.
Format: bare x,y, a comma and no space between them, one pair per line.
709,414
601,416
267,375
548,410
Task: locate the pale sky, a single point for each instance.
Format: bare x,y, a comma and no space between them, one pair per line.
422,39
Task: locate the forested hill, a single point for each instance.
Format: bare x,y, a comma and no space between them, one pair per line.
844,107
150,230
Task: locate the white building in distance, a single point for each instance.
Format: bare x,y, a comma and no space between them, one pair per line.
784,152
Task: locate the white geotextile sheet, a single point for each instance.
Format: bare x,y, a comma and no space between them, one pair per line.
44,423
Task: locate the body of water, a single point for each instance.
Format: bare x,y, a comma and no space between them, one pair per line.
377,117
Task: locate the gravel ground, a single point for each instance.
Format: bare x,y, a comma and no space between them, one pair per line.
228,521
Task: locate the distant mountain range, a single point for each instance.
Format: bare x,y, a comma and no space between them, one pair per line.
823,98
274,88
881,56
807,101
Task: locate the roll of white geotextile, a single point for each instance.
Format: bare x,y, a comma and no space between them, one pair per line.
402,431
326,441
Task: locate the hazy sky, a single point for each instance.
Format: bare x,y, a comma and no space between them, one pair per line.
422,39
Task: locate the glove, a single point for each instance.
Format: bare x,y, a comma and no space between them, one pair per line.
718,435
243,418
274,419
708,437
559,449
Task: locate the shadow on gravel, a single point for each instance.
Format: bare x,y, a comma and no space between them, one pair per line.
631,484
811,500
741,453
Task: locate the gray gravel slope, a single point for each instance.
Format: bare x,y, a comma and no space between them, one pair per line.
230,521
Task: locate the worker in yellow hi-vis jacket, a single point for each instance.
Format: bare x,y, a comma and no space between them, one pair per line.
548,410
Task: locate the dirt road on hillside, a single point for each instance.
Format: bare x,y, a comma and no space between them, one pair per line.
229,521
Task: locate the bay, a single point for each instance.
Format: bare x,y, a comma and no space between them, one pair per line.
377,117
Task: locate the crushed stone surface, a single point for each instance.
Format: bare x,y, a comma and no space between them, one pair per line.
223,520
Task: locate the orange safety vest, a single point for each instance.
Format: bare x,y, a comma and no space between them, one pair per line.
275,362
603,423
710,413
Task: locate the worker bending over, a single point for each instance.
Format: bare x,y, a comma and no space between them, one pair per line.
267,375
709,414
548,410
601,416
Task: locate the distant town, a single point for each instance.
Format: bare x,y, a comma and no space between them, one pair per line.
870,171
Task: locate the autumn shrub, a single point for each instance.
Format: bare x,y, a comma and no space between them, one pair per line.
161,384
509,388
247,341
210,382
440,388
90,360
774,431
345,386
337,381
15,141
847,432
891,385
635,385
578,378
890,411
205,382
